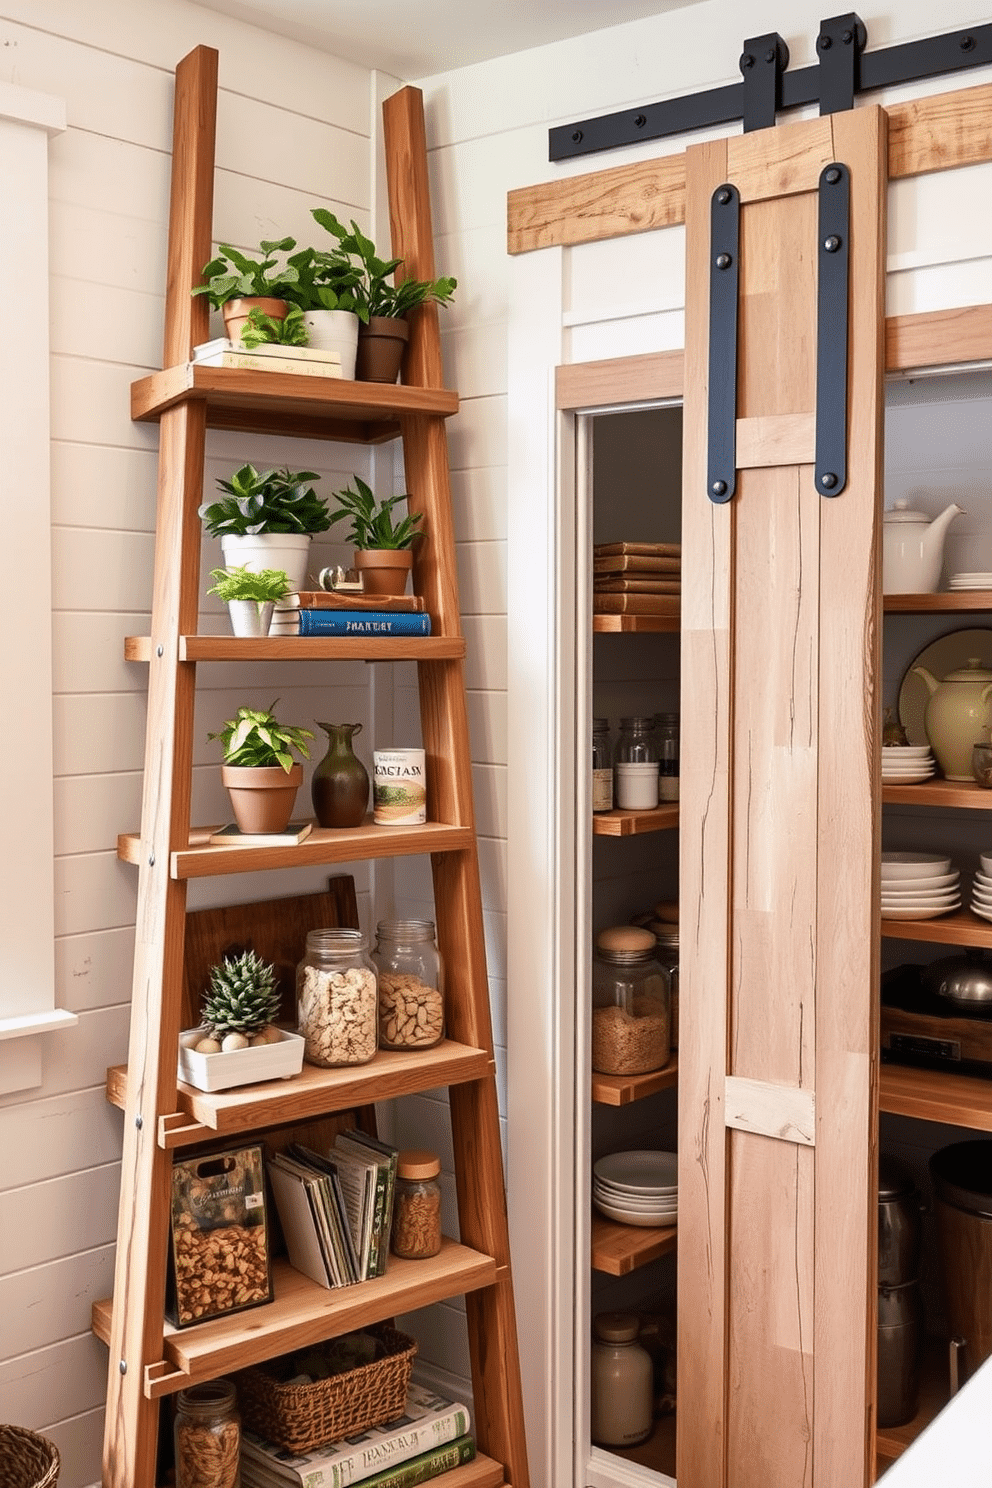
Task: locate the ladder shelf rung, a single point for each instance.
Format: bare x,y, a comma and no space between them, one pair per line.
305,648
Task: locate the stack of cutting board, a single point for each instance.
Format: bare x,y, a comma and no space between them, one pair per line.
636,578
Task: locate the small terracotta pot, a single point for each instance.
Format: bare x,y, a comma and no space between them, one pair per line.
381,345
383,570
236,313
263,797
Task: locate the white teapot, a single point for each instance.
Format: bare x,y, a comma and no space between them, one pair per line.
913,548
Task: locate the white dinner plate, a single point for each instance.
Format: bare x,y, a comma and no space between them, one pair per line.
643,1221
658,1212
981,911
914,864
638,1170
981,892
921,885
923,901
906,777
903,913
946,654
906,751
649,1201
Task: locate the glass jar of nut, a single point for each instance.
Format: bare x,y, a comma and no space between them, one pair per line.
208,1436
416,1233
336,992
631,1003
411,985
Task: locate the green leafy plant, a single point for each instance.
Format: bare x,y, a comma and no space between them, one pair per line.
266,501
241,583
255,738
371,520
243,996
234,275
263,330
375,291
327,281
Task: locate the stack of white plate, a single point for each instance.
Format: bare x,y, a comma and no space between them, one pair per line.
970,581
918,886
981,889
637,1188
907,764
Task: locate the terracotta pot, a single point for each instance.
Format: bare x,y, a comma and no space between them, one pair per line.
236,312
381,345
262,798
383,570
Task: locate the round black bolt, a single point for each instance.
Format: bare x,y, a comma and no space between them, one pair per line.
640,121
832,176
967,43
747,61
723,260
576,136
832,243
828,480
771,54
847,37
823,43
719,488
723,195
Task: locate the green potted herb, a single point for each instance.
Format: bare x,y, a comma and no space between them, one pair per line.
236,281
267,520
273,330
325,293
383,554
250,596
259,771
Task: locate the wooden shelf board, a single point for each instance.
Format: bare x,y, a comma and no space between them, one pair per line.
620,1090
303,1313
937,604
316,1092
619,1249
284,403
324,845
936,1095
960,794
634,624
892,1441
963,928
305,648
617,823
657,1453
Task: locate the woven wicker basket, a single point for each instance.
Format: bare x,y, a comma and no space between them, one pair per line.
300,1417
27,1460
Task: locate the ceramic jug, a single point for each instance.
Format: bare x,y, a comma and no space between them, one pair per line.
340,785
913,548
957,714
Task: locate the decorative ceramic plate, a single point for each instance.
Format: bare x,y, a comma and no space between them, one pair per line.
946,654
637,1171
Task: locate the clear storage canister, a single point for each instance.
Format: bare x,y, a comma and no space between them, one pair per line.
337,1000
416,1232
411,985
631,1003
208,1436
635,765
602,768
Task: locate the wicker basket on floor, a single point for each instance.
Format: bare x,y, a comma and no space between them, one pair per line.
27,1460
301,1417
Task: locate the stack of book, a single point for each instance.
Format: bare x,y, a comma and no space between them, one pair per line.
305,361
336,1210
432,1437
319,612
636,578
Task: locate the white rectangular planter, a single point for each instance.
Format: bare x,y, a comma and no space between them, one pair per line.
279,1061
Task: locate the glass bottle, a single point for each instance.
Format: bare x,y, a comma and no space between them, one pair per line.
631,1003
602,769
336,992
416,1231
411,985
621,1380
667,734
340,785
208,1436
635,765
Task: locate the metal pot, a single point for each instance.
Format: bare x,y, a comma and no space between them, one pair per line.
966,981
898,1225
900,1332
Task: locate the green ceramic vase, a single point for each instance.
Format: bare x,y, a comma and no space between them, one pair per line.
340,785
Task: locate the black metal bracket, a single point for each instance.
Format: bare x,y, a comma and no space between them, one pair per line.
721,464
763,61
843,69
833,266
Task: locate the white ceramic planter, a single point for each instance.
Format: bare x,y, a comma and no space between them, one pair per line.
335,330
289,551
249,618
279,1061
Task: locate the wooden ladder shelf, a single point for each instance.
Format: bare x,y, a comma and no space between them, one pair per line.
148,1359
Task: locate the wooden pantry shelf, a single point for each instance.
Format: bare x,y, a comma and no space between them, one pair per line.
937,604
324,845
619,1249
621,1090
962,928
959,794
617,823
637,624
314,1092
936,1095
305,648
934,1393
284,403
303,1313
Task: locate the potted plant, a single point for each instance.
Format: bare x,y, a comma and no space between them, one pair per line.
382,304
250,596
325,293
267,520
236,281
259,771
238,1042
260,329
383,554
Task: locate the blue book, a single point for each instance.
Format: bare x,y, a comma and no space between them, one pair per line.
363,623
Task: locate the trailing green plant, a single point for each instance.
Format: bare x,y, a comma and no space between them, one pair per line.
263,330
234,275
255,739
266,587
376,291
371,520
266,501
243,996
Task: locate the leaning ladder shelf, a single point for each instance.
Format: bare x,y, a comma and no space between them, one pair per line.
148,1359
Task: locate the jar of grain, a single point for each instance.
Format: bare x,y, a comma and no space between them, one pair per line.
208,1436
411,985
416,1233
631,1003
336,992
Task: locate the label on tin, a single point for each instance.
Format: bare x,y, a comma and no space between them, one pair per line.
399,787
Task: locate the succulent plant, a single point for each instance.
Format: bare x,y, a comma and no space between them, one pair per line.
243,996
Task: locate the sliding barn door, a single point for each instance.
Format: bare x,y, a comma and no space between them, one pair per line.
780,805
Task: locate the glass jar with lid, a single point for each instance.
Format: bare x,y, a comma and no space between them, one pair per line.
635,742
667,952
621,1382
411,985
631,1003
602,768
667,737
208,1436
635,765
336,993
416,1231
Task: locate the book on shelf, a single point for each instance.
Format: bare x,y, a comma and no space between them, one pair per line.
362,623
347,1232
637,549
385,1157
304,361
429,1421
635,604
330,599
312,1213
401,1475
671,585
232,836
633,564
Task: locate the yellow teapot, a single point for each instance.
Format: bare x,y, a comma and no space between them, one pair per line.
957,714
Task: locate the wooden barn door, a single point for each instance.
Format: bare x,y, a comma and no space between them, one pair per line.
780,806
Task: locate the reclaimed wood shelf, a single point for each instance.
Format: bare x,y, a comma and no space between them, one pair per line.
637,624
936,1095
937,604
621,1090
961,795
619,1249
303,1313
618,823
324,845
314,1092
962,928
934,1393
305,648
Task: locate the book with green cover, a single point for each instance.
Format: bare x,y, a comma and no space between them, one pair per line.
362,1145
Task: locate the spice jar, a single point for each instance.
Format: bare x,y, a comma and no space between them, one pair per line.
621,1381
416,1230
635,765
602,769
208,1436
411,985
337,999
667,736
631,998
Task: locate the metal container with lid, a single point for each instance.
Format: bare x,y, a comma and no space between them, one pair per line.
962,1179
900,1335
899,1225
631,1003
965,981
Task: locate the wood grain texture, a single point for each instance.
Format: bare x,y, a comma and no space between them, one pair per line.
783,161
602,204
268,401
618,1249
956,794
962,928
940,132
305,648
629,823
776,439
938,338
769,1110
621,1090
935,1095
636,379
192,203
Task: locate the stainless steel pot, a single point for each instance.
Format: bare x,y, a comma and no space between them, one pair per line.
898,1225
900,1334
966,981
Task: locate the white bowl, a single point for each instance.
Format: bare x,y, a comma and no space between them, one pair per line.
636,1170
905,751
986,861
913,865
